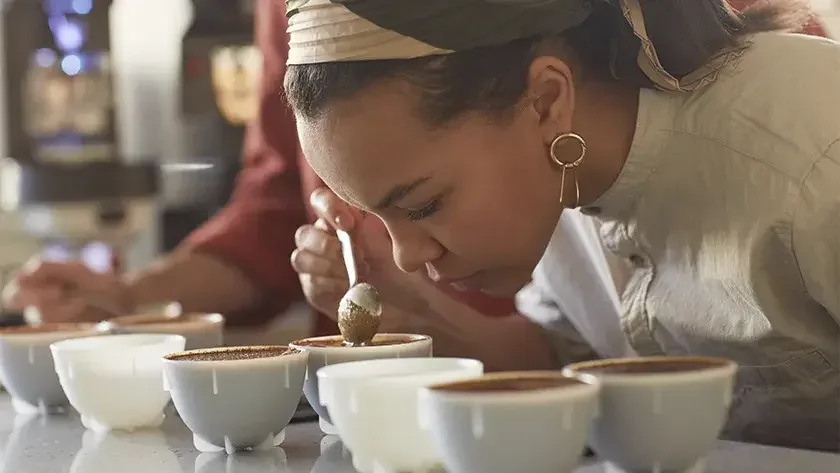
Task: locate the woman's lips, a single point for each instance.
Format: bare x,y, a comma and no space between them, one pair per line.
433,273
460,286
466,283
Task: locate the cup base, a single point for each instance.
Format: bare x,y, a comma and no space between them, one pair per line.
270,441
366,465
97,426
699,467
170,407
362,465
269,461
328,441
326,427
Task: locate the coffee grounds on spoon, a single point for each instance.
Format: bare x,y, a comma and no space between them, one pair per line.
357,325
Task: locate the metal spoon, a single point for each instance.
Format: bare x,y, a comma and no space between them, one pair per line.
360,310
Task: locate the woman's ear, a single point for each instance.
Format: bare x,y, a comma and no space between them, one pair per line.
551,89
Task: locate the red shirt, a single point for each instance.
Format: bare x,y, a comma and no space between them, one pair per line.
813,27
255,231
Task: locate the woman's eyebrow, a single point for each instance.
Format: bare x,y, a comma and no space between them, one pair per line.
399,192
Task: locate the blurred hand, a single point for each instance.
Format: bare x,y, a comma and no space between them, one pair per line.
70,292
323,276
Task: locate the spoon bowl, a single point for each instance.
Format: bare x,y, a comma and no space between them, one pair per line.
360,310
360,314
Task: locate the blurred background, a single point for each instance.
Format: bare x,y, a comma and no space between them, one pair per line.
122,123
127,82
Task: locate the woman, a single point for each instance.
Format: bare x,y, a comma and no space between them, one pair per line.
706,142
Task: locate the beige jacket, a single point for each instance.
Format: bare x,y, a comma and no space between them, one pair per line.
727,215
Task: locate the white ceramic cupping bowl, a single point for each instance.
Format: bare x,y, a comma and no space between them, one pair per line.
373,406
487,430
236,404
415,346
200,330
26,365
663,421
116,381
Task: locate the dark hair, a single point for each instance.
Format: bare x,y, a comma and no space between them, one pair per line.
686,33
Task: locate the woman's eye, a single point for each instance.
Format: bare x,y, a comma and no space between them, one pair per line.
424,212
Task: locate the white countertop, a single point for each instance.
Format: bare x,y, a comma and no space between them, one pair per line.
59,444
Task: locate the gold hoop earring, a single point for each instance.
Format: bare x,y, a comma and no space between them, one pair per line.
570,166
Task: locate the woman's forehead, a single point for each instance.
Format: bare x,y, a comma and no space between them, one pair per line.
361,131
366,146
362,152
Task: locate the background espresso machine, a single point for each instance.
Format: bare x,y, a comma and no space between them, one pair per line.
220,75
64,184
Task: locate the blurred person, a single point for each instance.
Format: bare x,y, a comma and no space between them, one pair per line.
812,26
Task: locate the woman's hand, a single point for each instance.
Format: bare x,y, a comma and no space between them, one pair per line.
320,267
323,276
70,292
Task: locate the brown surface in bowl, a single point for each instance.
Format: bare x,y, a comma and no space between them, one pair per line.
338,341
232,353
509,384
47,328
651,365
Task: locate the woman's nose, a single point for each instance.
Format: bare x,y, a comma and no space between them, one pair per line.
413,248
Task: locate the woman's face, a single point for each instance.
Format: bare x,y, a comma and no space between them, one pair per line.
475,202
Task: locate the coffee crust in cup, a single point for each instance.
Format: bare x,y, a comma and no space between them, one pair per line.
510,382
158,319
232,353
47,328
650,365
337,341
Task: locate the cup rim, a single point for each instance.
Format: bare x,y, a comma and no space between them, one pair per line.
582,387
296,355
79,345
185,320
336,372
61,329
717,366
414,338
